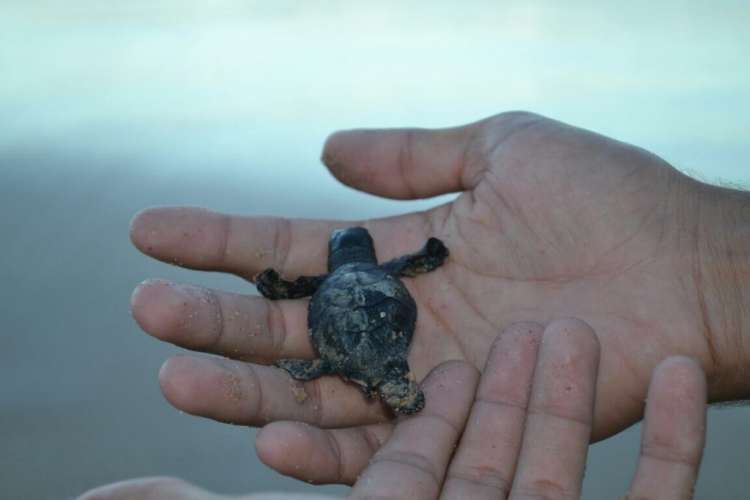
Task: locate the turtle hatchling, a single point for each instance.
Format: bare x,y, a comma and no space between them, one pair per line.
361,317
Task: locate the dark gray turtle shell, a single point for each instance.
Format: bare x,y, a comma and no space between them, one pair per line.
361,320
361,317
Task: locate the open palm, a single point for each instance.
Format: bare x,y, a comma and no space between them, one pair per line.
551,221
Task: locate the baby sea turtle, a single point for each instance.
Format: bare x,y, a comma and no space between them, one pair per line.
361,316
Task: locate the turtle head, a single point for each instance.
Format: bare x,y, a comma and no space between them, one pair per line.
353,244
401,392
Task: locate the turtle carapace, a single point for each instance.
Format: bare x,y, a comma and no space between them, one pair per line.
361,317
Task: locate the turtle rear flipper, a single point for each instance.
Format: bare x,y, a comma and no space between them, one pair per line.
304,369
402,395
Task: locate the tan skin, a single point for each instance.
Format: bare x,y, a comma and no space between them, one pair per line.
520,430
551,221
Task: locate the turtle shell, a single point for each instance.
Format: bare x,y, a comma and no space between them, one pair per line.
360,320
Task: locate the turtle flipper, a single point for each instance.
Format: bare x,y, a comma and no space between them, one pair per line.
273,287
370,391
304,369
430,257
403,395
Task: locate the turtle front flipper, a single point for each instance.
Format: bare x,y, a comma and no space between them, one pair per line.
304,369
273,287
430,257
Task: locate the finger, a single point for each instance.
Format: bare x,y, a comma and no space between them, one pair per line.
400,163
674,431
412,463
249,394
167,488
243,327
411,163
558,423
485,461
317,455
150,488
200,239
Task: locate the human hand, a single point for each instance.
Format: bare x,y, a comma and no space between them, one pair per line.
551,220
522,431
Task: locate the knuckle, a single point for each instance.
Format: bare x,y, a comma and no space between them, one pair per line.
315,392
567,416
225,232
276,326
219,325
405,162
337,455
411,460
545,489
486,477
516,114
282,243
670,452
249,383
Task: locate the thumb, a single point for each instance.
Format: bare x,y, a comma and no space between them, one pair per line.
406,163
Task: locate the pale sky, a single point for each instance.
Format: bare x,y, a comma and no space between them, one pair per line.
229,80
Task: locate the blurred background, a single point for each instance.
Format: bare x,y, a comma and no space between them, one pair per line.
109,107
